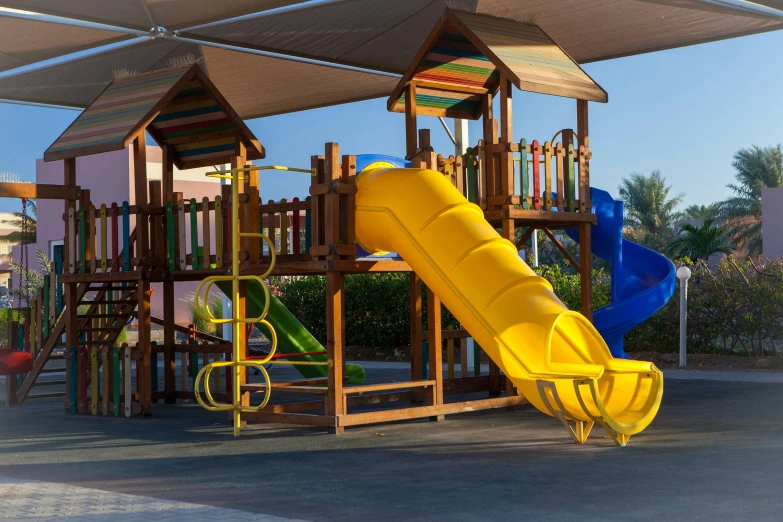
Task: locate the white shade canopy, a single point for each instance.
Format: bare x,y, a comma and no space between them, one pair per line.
283,55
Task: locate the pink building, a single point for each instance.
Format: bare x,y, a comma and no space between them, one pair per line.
109,177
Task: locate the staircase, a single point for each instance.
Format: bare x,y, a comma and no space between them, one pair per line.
103,311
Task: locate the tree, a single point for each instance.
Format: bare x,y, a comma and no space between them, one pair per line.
649,209
703,212
700,242
30,279
755,168
17,222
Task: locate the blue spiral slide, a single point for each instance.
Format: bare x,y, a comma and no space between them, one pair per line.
642,280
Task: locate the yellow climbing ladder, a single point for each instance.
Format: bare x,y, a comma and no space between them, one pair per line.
201,298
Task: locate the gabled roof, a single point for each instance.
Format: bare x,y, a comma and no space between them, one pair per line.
464,55
178,107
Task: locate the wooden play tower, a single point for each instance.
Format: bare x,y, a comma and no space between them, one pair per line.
115,250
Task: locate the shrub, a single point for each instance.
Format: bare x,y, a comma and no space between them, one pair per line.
198,315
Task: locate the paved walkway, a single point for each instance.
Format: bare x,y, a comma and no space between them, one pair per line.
30,500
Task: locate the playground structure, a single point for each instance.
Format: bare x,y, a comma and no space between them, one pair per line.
440,213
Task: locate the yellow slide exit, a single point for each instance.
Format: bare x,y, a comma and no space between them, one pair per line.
554,356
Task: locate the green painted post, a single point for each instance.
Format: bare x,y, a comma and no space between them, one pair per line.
524,177
82,240
170,235
73,370
58,268
571,178
126,236
117,380
470,159
194,235
308,228
476,358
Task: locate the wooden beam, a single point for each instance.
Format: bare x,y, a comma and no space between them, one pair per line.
140,192
562,248
145,347
411,129
435,351
416,332
39,190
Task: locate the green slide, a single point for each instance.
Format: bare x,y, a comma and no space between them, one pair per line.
292,337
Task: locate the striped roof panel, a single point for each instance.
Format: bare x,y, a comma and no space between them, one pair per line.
200,128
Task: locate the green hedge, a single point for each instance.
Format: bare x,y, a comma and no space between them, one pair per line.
377,309
6,315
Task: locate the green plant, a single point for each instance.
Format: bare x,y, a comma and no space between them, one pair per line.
700,242
198,314
17,222
647,203
33,280
567,286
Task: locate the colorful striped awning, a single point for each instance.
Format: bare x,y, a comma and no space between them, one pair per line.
178,107
465,55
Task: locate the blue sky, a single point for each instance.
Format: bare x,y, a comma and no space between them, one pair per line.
684,112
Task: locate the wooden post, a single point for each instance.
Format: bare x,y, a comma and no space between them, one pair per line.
583,131
140,192
411,128
416,334
435,352
586,269
169,336
335,344
252,219
157,232
145,347
239,161
69,294
332,200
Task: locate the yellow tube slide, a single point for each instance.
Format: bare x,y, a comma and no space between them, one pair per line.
554,356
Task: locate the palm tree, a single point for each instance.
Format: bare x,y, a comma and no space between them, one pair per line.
756,168
702,212
650,212
16,236
700,242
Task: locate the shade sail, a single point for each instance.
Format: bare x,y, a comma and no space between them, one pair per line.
23,42
372,34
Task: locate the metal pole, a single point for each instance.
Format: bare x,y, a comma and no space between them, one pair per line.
683,274
534,239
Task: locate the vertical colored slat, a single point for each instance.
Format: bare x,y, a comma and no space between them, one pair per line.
536,175
74,371
127,374
476,358
272,233
218,232
205,229
193,368
82,240
50,319
72,241
547,176
308,227
91,252
104,235
170,239
425,357
94,380
283,230
584,180
126,246
106,374
184,370
194,235
117,382
58,266
571,178
524,176
561,195
296,235
183,260
115,238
